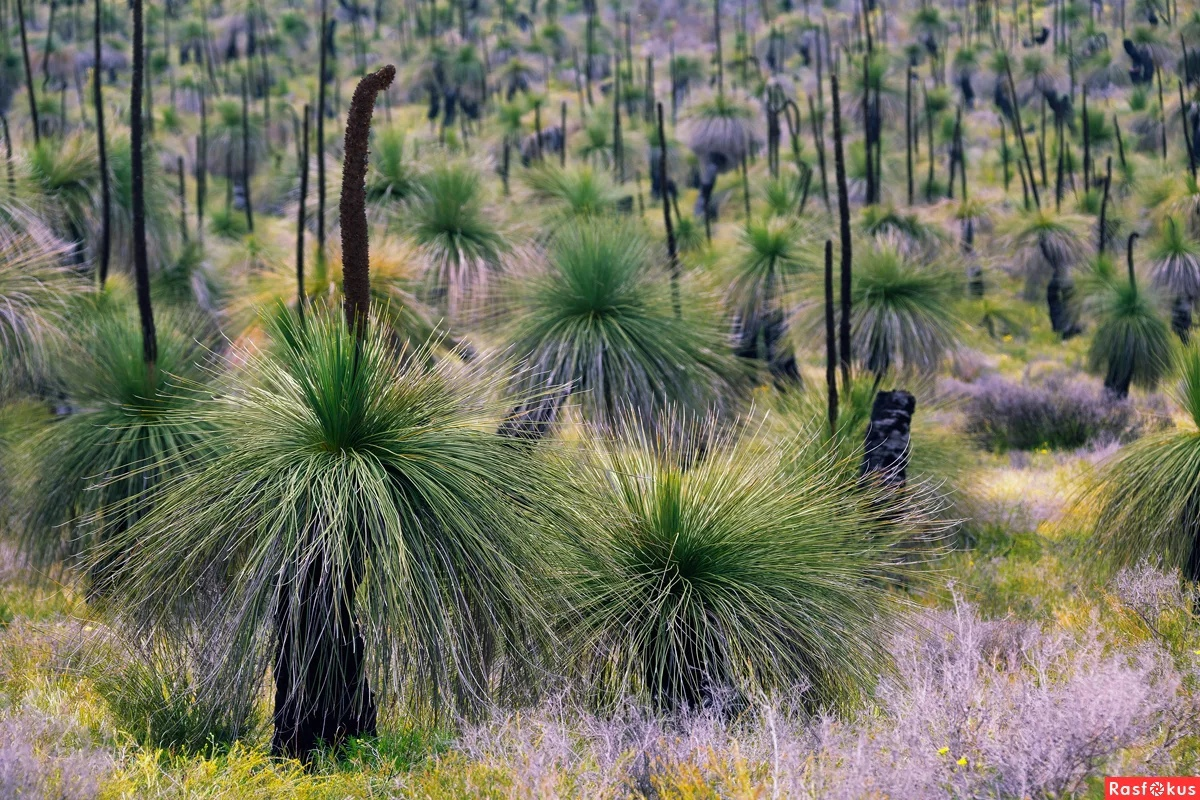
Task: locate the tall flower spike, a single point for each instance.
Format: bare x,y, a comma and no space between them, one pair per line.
356,278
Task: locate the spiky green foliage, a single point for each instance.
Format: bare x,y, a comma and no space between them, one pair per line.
64,177
394,175
388,480
783,195
1042,241
1147,496
1175,261
729,578
597,318
907,232
1132,342
574,192
595,147
722,128
902,316
124,438
35,289
768,260
160,222
462,246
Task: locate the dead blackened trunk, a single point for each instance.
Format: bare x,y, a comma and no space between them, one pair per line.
887,445
1057,296
1181,317
322,696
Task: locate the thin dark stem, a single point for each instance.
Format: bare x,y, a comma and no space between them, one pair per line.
839,159
101,151
33,111
246,152
321,134
672,254
141,267
831,354
301,212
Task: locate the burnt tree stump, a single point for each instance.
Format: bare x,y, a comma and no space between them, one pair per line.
886,449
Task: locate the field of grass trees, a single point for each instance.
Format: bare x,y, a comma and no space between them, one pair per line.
555,398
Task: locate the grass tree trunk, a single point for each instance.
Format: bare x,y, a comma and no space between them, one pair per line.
141,267
105,248
886,449
321,691
1119,374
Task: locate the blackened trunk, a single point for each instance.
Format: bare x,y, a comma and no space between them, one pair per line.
183,227
322,696
887,445
1057,297
1181,317
830,342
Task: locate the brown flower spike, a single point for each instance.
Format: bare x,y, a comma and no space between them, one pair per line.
356,277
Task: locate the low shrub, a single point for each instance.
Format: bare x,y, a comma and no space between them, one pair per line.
1060,413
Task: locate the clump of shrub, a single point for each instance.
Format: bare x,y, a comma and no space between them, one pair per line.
1060,413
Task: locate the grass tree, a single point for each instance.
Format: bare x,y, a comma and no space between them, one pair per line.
355,503
1175,267
901,316
731,578
722,130
1132,342
769,260
395,175
463,247
596,321
90,475
576,192
35,292
1045,246
1146,498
